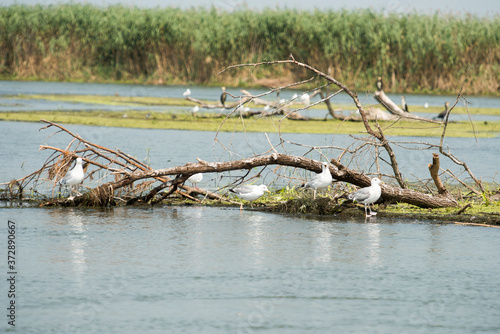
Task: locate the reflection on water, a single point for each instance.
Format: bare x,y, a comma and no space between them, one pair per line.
215,270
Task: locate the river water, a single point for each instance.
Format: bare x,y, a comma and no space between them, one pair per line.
197,269
216,270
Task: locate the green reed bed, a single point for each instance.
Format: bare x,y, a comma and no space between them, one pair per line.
412,52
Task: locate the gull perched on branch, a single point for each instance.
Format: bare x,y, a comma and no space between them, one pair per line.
368,195
74,176
321,180
249,192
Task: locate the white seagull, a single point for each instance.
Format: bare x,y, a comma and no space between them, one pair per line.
321,180
249,192
368,195
74,176
305,98
196,108
187,92
195,178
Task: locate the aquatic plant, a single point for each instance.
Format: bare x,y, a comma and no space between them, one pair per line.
412,52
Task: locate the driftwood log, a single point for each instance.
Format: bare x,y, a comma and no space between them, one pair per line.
338,171
394,109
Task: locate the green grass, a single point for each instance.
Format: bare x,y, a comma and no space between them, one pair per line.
109,100
183,121
476,208
412,52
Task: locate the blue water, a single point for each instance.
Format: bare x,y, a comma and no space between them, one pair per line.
216,270
197,269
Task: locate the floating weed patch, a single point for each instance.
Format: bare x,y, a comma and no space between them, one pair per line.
212,122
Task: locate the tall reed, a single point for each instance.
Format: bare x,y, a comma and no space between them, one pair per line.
412,52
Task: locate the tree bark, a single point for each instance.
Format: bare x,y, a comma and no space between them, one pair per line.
434,169
338,171
394,109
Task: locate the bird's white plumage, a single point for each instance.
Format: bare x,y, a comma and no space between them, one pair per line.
249,192
187,92
305,98
196,108
368,195
195,178
321,180
74,176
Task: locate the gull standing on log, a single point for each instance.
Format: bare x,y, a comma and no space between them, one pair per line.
195,179
74,176
249,193
321,180
368,195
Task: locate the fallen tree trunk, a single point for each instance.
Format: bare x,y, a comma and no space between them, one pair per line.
338,171
394,109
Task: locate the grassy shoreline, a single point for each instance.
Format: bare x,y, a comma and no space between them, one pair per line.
212,122
205,121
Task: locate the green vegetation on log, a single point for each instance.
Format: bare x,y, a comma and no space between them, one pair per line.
413,52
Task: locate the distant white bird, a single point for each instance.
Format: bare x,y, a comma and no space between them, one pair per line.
187,92
282,101
368,195
294,96
266,108
321,180
196,108
74,176
426,105
249,192
305,98
195,178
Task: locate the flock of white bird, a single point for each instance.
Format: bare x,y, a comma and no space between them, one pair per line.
250,192
367,196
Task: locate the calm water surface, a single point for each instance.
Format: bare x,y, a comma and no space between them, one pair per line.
216,270
219,270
